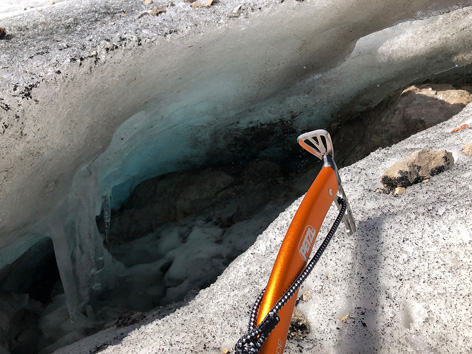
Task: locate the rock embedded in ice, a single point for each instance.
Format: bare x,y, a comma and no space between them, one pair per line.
168,198
445,92
417,167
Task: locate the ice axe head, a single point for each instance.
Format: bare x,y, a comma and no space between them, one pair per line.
318,142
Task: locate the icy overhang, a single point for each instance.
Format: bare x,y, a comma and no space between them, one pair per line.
95,100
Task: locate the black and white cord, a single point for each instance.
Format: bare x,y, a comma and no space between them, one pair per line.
252,342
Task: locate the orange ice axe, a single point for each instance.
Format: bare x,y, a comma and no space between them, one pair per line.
272,312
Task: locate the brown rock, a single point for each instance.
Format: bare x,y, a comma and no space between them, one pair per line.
147,2
467,149
399,191
417,167
156,10
3,33
446,93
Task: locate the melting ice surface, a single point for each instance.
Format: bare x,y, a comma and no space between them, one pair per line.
159,140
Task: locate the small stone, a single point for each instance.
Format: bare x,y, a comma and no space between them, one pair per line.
197,4
94,53
421,165
3,33
156,10
225,351
50,3
344,318
467,149
462,127
236,9
399,191
147,2
307,295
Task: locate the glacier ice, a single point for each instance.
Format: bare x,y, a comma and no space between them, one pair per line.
244,77
158,141
84,265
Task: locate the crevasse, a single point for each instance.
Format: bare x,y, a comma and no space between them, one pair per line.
208,116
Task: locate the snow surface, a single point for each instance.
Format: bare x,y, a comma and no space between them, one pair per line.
403,278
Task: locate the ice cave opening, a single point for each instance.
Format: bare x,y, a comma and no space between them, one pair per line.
188,180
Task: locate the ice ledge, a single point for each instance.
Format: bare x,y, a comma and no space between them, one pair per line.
403,278
274,65
42,36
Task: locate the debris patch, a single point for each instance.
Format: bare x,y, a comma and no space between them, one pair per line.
299,326
419,166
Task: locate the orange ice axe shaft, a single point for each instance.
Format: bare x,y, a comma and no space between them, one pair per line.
294,254
298,243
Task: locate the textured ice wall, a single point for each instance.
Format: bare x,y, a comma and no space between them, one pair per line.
401,284
187,100
206,118
183,134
